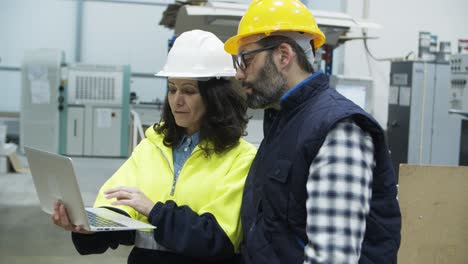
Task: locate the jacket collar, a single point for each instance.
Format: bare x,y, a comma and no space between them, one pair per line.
304,90
157,140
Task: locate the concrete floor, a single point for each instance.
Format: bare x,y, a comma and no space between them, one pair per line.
27,234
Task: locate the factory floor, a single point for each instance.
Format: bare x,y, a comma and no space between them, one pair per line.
26,233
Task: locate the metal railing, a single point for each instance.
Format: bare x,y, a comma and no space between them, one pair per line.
137,129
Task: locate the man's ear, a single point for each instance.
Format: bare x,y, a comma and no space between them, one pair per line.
287,55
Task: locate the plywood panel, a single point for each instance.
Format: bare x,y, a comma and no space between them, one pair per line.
434,206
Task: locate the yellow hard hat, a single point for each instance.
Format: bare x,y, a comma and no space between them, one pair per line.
267,16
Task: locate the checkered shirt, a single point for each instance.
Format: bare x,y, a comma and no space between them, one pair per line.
339,192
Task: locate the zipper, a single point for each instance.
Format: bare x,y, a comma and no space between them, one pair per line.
174,181
170,168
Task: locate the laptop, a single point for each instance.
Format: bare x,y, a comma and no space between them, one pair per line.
54,178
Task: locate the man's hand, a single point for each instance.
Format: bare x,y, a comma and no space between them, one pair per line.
61,219
130,196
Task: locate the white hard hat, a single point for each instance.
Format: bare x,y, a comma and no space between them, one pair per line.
198,54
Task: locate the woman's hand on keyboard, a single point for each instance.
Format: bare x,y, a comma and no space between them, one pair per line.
61,219
130,196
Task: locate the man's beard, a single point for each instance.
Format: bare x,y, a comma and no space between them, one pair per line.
267,88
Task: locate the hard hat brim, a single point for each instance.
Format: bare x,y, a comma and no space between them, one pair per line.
182,75
231,45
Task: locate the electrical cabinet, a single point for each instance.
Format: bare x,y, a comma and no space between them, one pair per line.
459,99
459,82
420,129
40,95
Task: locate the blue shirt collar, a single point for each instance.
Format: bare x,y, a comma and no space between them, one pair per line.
193,139
299,85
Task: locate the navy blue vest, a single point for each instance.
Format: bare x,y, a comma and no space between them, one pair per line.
274,202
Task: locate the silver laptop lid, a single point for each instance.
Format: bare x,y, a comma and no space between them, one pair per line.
54,179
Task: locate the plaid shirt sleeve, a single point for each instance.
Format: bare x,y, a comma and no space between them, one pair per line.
339,192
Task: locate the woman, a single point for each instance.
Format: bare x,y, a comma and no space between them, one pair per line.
187,177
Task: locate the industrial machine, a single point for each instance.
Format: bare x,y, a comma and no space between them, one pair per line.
75,109
459,99
420,128
94,111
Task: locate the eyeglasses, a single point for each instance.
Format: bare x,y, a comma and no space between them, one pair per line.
240,61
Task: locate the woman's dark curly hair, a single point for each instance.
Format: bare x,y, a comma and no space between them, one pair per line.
222,125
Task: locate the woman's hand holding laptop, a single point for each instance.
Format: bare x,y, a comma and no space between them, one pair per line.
61,219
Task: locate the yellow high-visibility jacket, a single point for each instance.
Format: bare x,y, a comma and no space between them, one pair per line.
205,199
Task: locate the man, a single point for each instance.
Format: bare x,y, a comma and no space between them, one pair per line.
321,188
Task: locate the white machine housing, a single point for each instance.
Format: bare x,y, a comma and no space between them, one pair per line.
97,111
40,90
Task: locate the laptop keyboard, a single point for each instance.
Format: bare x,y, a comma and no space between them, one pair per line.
98,221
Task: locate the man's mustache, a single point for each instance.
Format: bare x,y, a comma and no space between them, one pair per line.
247,84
